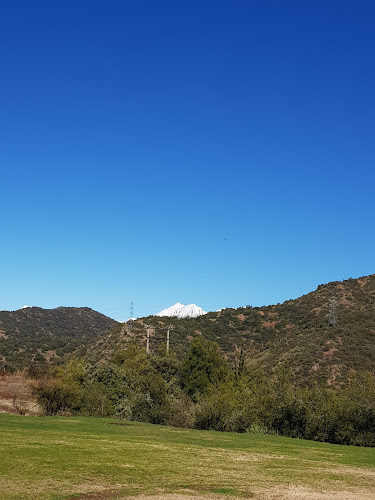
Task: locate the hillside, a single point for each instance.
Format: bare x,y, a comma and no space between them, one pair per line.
294,334
35,335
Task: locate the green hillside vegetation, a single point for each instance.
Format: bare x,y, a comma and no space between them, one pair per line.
33,336
204,391
294,335
66,458
278,369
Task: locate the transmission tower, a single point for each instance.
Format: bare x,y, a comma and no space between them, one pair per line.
332,321
131,309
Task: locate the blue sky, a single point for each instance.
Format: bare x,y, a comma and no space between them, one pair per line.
215,152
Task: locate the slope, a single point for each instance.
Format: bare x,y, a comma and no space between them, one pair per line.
294,334
35,335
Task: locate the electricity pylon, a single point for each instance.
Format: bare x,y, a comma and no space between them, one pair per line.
332,321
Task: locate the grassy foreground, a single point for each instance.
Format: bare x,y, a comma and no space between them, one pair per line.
59,457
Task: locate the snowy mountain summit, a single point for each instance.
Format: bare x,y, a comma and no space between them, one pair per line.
181,311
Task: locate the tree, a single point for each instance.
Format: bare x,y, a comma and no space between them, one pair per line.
203,366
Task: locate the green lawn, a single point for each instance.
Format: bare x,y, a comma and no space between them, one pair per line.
59,457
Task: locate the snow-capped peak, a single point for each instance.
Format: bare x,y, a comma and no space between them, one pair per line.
181,311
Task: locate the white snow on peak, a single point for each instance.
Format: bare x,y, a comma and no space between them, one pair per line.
25,307
181,311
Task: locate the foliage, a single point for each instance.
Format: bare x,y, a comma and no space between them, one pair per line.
33,337
294,335
204,391
202,367
278,369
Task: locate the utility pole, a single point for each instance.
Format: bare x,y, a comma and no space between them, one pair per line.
148,341
155,328
168,330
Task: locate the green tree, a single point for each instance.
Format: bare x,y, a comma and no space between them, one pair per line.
203,366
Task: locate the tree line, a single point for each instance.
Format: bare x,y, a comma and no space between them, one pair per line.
204,391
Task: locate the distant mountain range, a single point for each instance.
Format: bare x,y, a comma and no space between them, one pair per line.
295,334
181,311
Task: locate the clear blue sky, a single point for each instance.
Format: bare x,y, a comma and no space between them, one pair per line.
215,152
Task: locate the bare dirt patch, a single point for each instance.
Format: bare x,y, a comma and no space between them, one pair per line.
179,496
256,493
48,354
329,353
269,324
168,496
335,373
299,492
355,471
363,281
102,495
316,310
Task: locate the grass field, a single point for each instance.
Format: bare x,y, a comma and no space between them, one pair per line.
88,458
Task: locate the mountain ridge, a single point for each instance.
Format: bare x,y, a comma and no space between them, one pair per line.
36,335
294,334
